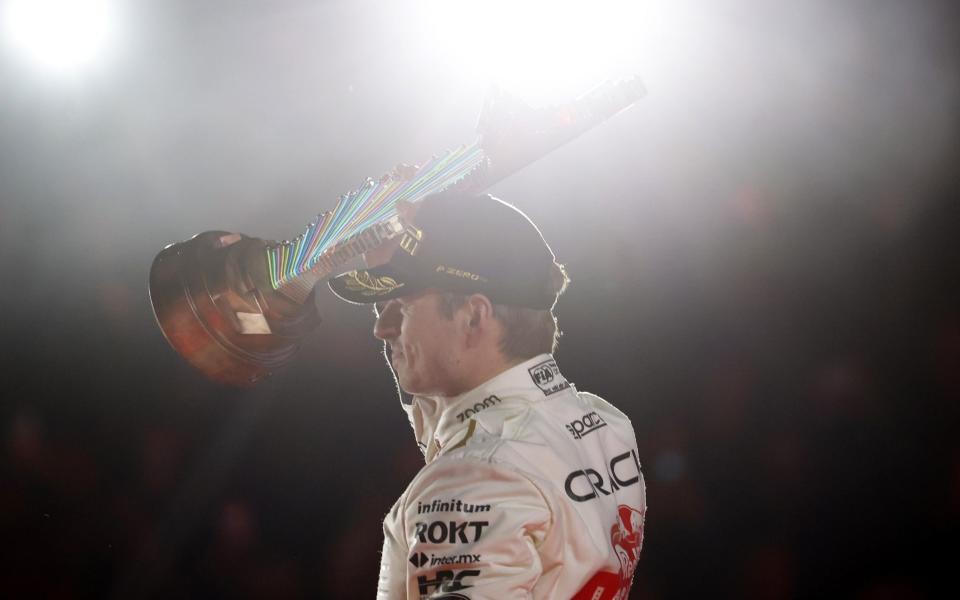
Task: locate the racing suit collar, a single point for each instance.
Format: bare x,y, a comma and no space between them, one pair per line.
440,424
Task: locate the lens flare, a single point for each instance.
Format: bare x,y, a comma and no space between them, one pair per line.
60,35
536,48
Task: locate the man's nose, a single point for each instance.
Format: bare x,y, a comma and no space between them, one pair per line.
389,318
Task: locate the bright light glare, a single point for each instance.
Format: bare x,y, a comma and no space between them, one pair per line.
60,34
536,46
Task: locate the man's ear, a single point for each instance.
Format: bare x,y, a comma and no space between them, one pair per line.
477,316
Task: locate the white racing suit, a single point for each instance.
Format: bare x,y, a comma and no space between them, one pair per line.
531,490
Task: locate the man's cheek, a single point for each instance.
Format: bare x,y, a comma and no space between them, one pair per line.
411,355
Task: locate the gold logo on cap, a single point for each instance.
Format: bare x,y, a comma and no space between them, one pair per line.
460,273
366,284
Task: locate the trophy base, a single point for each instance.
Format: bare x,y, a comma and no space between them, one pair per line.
215,306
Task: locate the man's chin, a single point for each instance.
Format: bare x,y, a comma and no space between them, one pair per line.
407,386
410,385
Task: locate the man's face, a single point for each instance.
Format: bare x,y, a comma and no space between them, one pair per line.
423,344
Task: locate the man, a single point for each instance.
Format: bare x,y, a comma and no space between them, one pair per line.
531,488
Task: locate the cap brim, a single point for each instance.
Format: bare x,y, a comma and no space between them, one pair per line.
369,286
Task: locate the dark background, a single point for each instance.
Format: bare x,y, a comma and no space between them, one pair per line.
765,278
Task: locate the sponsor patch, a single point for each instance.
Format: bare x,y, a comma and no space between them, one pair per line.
460,273
454,559
626,537
547,377
449,532
454,505
419,559
487,402
587,484
588,423
447,581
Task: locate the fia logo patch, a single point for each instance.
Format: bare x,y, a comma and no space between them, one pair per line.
547,377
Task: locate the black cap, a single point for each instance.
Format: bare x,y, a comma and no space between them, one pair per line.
464,244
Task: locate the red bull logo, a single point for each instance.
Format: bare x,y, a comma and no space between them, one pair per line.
626,537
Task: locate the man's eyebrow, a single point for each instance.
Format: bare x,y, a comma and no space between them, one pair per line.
378,308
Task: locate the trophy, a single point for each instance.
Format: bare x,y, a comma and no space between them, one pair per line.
238,307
